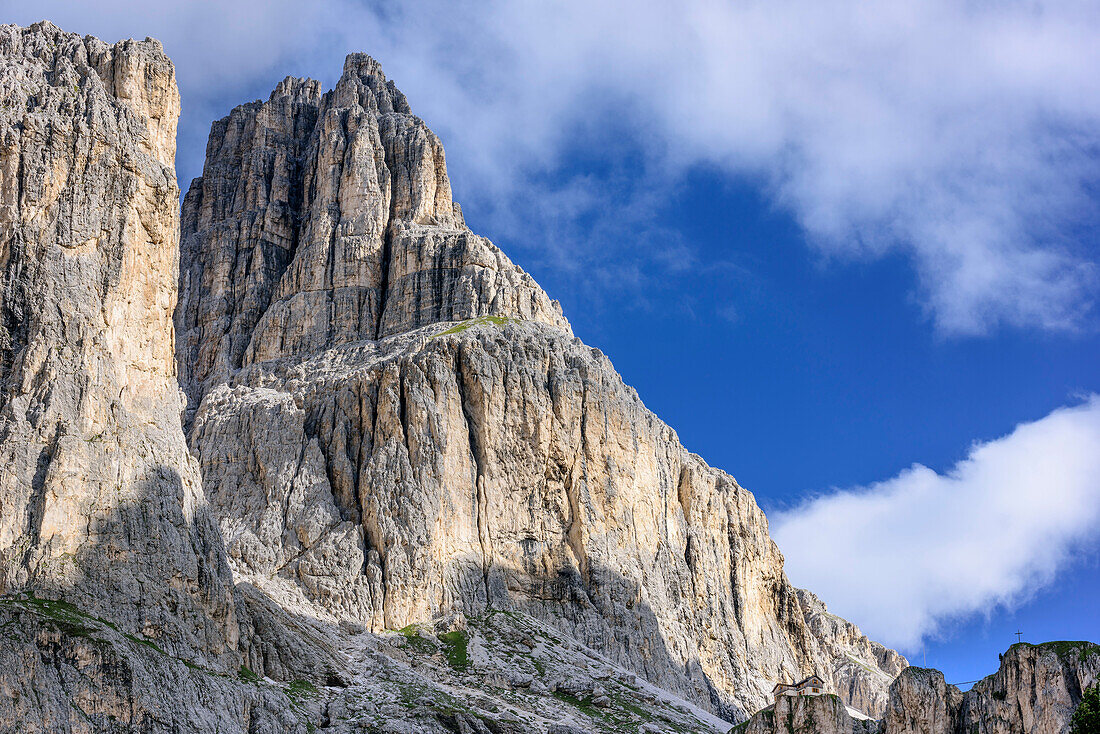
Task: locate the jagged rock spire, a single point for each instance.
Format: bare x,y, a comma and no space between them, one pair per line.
375,465
324,219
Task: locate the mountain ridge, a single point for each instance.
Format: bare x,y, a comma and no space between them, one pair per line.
386,425
361,200
1035,689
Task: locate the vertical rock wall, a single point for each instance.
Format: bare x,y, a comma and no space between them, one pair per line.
99,498
1034,691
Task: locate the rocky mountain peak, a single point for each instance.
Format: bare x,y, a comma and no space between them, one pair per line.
298,90
414,478
395,422
325,219
364,84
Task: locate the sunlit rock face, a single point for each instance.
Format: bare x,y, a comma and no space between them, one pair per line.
99,498
1035,690
324,219
824,714
375,456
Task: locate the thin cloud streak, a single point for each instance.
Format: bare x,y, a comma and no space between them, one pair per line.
963,135
905,556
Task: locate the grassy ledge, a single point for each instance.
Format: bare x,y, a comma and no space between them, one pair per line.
479,321
1065,648
454,647
417,641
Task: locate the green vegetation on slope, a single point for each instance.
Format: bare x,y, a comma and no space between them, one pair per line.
1086,719
454,647
63,615
479,321
417,641
1064,648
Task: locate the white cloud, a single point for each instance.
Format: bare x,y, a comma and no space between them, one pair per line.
904,555
964,135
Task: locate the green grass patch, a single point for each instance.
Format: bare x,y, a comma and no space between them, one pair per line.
584,704
455,645
64,616
248,675
417,641
298,689
144,641
480,321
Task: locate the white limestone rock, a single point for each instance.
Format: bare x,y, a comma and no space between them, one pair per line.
99,498
1035,690
395,423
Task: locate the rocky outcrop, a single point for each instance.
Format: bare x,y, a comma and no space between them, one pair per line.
859,669
1035,691
921,702
825,714
326,218
99,498
395,423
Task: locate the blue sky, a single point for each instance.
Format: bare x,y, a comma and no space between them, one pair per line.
825,241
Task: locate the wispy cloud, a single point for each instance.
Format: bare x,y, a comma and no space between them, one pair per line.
964,135
905,555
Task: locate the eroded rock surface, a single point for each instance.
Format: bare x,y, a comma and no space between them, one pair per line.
394,422
1034,691
99,498
824,714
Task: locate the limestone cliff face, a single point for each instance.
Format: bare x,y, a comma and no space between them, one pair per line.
116,598
858,669
921,702
99,499
326,218
1035,691
807,715
370,460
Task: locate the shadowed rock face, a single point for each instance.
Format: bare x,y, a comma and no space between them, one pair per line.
99,498
1035,690
371,461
